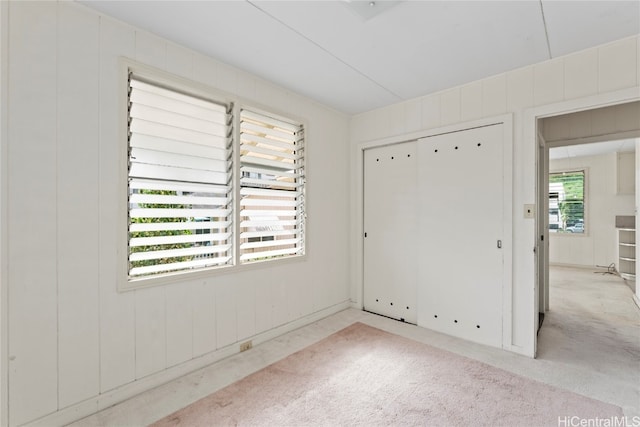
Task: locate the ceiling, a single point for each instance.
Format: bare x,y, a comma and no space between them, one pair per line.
354,60
593,149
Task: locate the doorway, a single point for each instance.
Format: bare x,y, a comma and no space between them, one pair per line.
593,151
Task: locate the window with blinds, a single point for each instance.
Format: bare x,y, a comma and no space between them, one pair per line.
566,202
179,181
272,185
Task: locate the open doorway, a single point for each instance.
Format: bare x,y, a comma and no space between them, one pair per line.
587,192
586,178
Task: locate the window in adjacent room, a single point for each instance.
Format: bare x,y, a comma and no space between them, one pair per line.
566,202
179,181
272,187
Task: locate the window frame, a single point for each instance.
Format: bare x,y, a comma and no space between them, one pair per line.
201,90
238,162
585,192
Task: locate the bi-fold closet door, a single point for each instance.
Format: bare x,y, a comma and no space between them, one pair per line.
434,224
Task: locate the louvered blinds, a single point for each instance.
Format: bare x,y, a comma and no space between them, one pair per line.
180,181
271,187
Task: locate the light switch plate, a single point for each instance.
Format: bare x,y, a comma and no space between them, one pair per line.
529,211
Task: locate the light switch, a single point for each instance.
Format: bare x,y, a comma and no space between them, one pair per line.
529,211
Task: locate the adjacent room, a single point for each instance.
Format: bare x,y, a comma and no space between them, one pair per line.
586,299
334,212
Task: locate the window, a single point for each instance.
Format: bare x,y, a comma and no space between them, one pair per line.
179,181
189,206
566,202
271,187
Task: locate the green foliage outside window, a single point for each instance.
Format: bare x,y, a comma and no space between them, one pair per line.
136,234
571,207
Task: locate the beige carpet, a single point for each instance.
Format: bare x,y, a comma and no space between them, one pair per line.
364,376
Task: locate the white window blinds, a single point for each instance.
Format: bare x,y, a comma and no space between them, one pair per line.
271,187
180,186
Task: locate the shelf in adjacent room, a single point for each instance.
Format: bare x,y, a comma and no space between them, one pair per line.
627,253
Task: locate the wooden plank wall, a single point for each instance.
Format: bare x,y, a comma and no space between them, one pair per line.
72,336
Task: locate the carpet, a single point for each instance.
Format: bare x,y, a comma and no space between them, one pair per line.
364,376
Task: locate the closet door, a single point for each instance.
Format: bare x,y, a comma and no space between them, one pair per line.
461,206
390,227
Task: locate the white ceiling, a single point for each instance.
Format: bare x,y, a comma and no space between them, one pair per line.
332,52
593,149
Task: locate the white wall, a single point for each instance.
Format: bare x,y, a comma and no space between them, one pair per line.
595,125
3,208
598,246
608,73
626,173
75,343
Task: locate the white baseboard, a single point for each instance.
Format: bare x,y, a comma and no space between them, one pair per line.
112,397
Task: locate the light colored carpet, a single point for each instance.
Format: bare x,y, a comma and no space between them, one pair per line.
364,376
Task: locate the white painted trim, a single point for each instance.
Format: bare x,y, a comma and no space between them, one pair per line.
530,131
357,228
636,300
4,285
120,394
542,229
581,104
357,164
508,247
425,133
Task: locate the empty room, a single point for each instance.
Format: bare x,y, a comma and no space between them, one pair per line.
341,212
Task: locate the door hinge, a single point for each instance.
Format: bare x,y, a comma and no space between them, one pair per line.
365,234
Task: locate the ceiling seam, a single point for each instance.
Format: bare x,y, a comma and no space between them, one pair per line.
400,98
546,33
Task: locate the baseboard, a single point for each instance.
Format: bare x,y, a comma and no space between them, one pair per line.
636,300
107,399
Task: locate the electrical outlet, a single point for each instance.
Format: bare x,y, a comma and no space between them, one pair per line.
246,346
